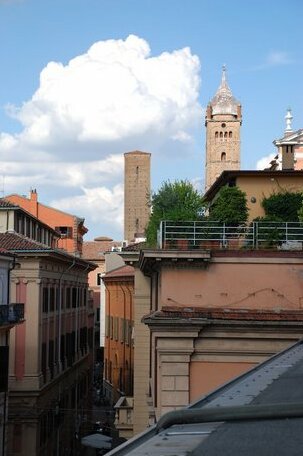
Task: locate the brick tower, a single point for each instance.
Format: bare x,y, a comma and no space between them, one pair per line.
136,194
223,121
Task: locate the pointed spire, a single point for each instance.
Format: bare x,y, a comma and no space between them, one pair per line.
288,119
224,102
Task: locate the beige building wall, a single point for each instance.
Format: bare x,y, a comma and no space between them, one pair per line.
191,362
142,399
258,187
136,194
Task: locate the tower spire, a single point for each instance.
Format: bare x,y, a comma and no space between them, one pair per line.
223,81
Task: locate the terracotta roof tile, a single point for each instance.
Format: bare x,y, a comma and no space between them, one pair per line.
94,250
6,204
121,272
136,247
227,314
14,241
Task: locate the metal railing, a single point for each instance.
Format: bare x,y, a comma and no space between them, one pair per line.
212,234
11,313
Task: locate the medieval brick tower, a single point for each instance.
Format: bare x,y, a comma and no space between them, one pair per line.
223,121
136,194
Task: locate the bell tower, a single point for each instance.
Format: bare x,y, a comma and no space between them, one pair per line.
223,121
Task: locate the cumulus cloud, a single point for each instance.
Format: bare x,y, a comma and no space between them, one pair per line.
264,162
102,206
114,98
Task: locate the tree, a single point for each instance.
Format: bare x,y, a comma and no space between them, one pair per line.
176,201
284,206
230,206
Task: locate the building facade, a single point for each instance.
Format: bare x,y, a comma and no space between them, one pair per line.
257,185
223,121
290,147
95,251
119,347
70,227
205,329
51,352
136,194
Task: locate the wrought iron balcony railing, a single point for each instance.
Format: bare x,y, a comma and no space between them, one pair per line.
212,234
11,314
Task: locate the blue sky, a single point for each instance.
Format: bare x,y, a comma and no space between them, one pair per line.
64,131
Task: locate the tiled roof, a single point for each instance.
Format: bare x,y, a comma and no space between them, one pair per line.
94,250
136,247
178,312
14,241
6,204
122,271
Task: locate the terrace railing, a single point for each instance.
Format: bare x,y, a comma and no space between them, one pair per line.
11,314
212,234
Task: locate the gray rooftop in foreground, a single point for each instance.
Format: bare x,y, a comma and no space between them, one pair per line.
259,413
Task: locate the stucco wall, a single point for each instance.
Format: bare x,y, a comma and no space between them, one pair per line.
237,283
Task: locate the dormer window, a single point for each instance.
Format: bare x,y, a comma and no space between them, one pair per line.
65,231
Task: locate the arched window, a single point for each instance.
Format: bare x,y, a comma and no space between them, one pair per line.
223,157
216,134
221,134
230,134
225,134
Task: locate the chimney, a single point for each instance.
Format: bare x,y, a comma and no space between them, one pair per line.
33,196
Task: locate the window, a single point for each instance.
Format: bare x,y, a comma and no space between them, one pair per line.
230,134
51,299
45,294
74,297
223,157
99,278
68,298
65,231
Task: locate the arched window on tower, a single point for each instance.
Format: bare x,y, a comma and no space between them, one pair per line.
216,135
225,134
221,134
230,134
223,157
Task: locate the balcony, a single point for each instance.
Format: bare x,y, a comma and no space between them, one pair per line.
11,314
217,235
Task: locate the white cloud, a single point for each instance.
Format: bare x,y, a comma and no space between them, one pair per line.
114,91
100,204
114,98
264,162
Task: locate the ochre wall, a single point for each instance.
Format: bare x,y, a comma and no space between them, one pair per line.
207,376
263,186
